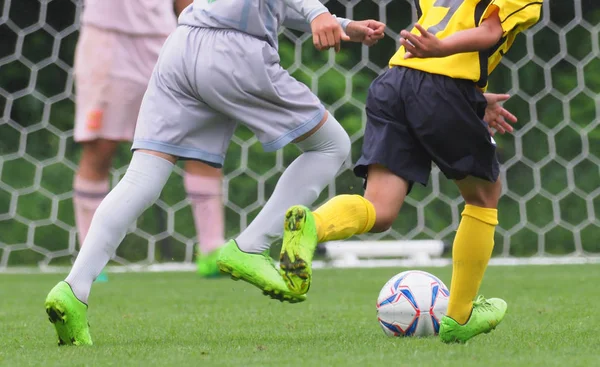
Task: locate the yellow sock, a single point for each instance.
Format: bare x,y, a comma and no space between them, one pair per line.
471,253
343,217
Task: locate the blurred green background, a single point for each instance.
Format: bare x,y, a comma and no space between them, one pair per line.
550,165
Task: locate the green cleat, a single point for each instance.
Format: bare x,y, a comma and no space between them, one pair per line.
486,315
68,315
207,264
256,269
299,245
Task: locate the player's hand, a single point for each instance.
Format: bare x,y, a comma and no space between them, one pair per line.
425,45
496,116
327,32
368,32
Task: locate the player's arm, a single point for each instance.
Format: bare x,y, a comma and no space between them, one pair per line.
181,4
427,44
368,32
326,30
298,22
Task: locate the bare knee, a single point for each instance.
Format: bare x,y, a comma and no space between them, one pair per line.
480,193
384,218
386,192
96,159
386,211
198,168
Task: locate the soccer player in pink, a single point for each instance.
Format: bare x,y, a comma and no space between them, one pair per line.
118,47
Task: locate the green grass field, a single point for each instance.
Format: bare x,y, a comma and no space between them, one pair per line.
178,319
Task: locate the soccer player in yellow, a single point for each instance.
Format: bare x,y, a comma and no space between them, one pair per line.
428,107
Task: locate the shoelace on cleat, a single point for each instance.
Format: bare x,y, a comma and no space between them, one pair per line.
483,304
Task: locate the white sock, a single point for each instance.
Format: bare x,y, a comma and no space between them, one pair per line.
138,189
301,183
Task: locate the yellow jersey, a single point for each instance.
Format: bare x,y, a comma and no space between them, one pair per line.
445,17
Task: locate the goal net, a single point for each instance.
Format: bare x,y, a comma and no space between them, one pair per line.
550,165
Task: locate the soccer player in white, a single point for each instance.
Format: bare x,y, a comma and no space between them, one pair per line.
220,67
118,47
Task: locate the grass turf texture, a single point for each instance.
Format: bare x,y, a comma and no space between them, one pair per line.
177,319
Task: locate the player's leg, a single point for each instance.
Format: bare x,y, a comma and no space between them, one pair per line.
324,151
391,161
149,170
345,216
473,243
447,119
471,252
203,184
66,304
339,218
141,185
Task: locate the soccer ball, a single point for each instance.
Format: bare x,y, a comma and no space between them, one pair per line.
412,303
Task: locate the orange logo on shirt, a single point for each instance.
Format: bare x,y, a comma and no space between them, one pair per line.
94,120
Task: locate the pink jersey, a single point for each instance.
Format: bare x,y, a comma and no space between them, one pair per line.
136,17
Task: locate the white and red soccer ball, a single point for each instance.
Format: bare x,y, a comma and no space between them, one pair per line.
412,303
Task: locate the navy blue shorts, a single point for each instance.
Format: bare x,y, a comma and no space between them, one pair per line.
415,118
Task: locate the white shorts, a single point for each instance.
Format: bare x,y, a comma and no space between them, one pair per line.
112,70
209,80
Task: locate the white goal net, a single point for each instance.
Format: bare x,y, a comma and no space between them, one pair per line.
550,165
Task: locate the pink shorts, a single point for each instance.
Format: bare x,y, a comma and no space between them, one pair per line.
112,70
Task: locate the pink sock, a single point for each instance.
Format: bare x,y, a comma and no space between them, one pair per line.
87,197
205,194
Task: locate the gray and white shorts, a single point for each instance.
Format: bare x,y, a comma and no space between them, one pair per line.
207,81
